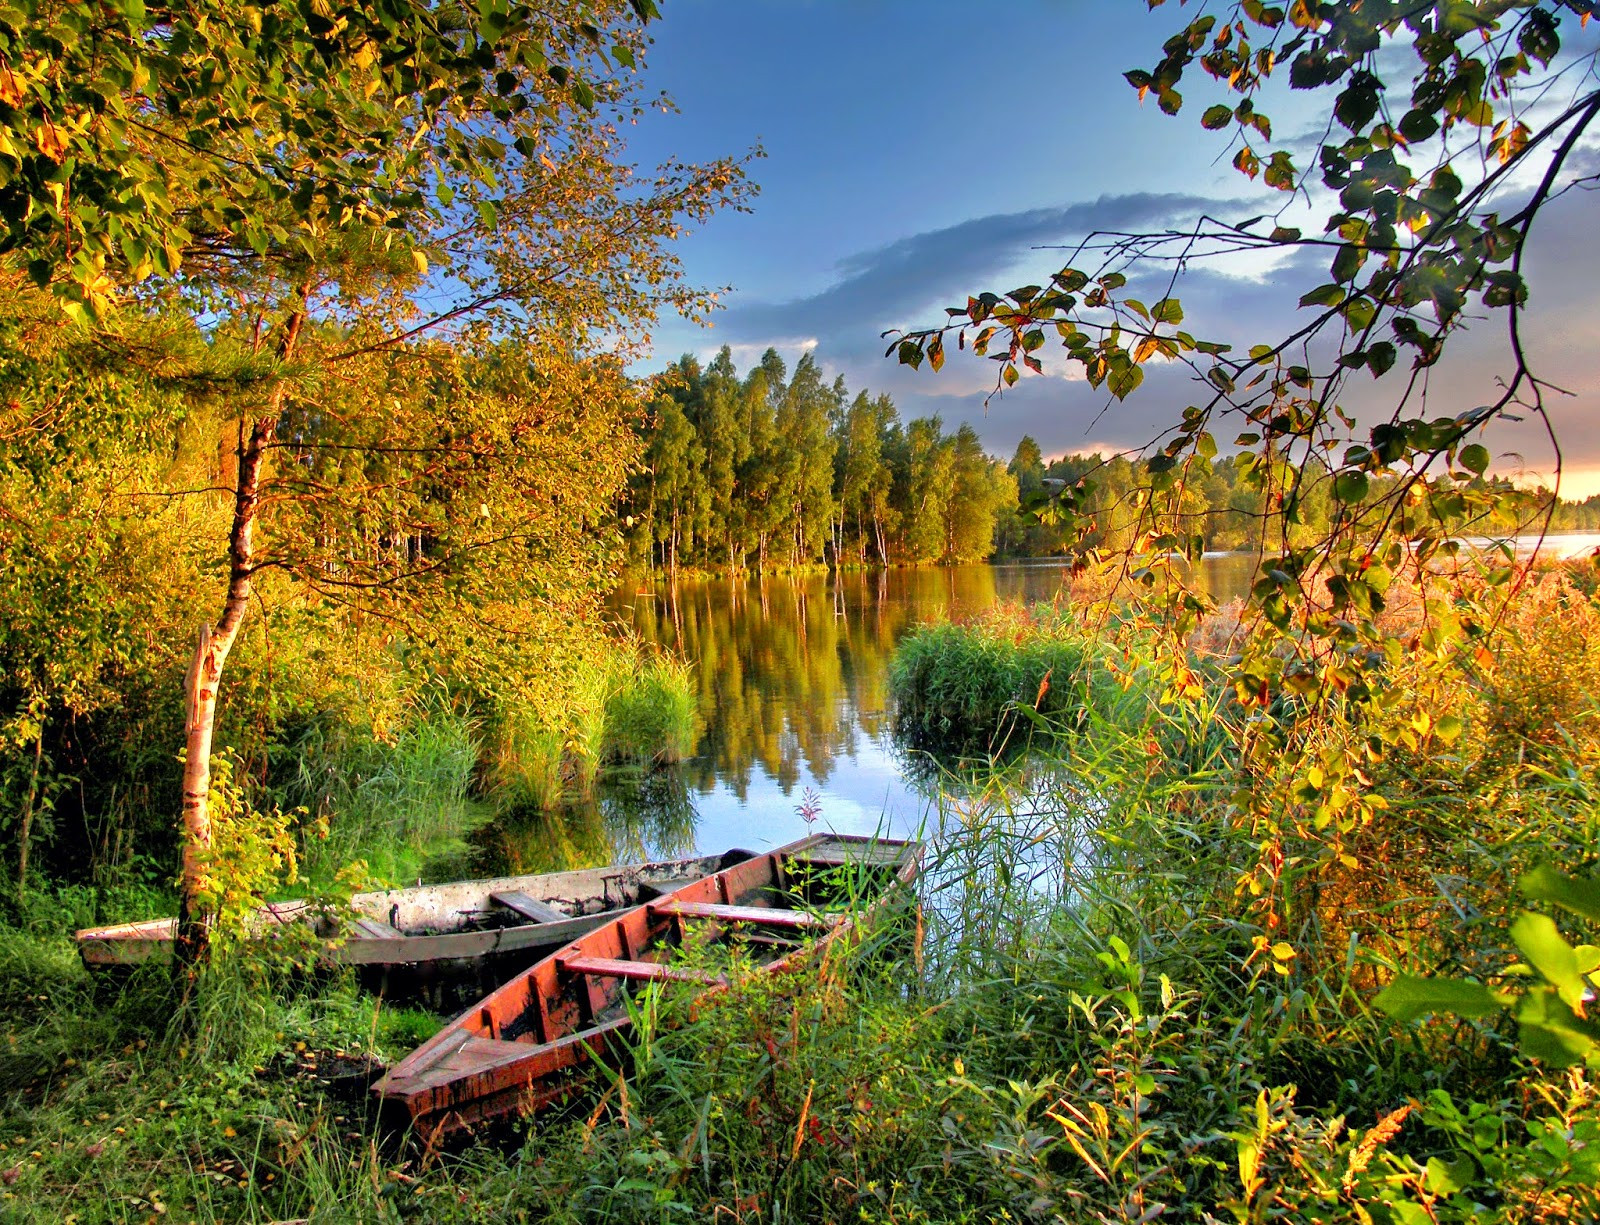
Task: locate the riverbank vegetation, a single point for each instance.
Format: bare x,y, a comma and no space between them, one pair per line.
1123,1003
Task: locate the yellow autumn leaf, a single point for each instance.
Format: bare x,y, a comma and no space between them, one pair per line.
49,142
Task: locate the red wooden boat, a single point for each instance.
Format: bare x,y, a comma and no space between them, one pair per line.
526,1045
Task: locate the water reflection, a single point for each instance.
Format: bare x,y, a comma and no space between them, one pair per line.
793,689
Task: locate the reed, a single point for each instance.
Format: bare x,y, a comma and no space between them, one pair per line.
985,685
651,716
391,804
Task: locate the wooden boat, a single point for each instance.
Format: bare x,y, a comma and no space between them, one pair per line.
524,1045
440,926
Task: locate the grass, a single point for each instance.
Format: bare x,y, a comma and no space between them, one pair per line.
392,804
651,716
978,685
622,710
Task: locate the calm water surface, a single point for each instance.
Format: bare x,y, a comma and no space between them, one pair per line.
793,692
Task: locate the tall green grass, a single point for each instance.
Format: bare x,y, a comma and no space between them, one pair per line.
977,686
391,803
651,716
621,709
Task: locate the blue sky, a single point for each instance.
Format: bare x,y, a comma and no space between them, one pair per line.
918,152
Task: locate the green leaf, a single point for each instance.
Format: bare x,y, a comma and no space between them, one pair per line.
1545,884
1124,378
1409,997
1347,263
1474,458
1215,117
1551,1031
1418,125
1323,295
1446,1178
1350,487
491,19
1542,944
1167,310
1380,358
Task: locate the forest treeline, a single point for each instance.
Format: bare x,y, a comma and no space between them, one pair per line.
772,471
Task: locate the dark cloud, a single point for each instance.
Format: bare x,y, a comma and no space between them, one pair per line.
897,285
905,283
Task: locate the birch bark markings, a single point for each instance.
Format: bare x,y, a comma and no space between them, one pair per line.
205,670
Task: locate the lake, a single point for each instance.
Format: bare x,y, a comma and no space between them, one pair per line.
793,693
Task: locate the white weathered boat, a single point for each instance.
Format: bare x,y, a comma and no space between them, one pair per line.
439,926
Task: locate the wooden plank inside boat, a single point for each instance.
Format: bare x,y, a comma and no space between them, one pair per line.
376,929
527,907
771,915
640,971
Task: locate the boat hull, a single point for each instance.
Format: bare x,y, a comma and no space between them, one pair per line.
526,1045
422,917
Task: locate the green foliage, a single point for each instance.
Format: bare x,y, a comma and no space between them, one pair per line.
390,804
966,686
784,472
252,854
1552,1013
124,157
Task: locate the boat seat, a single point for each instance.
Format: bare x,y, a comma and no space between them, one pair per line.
642,971
376,929
770,915
651,890
528,907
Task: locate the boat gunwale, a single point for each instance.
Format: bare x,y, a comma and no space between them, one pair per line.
139,940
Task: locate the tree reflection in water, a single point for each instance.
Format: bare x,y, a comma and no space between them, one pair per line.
792,683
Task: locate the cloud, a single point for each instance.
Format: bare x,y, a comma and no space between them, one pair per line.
899,284
906,282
